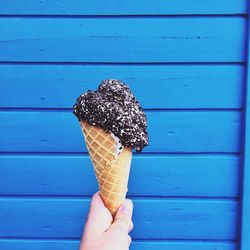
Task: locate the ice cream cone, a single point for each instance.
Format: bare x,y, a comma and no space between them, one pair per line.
111,169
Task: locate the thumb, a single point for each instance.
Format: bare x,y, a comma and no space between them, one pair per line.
123,218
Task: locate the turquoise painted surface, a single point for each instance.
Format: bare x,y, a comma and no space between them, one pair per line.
179,86
119,7
185,61
175,39
73,175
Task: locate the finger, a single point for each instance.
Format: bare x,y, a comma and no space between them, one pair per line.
99,218
129,240
122,220
131,226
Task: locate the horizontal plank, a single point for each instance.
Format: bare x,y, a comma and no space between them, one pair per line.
200,131
118,7
29,244
154,218
178,86
168,175
123,39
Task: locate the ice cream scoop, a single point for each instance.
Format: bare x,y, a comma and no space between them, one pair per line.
114,108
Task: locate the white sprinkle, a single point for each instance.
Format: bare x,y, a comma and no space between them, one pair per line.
118,146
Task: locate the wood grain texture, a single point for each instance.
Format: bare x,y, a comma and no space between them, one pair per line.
178,86
197,219
157,175
119,7
9,244
123,39
200,131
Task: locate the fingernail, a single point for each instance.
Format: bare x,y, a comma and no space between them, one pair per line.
126,207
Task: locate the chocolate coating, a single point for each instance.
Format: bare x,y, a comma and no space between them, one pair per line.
114,108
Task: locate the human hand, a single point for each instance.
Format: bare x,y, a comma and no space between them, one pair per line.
102,232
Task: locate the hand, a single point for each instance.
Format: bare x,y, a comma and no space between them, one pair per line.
102,232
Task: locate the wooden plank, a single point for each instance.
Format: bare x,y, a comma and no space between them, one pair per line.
245,211
10,244
182,175
123,39
51,131
119,7
181,86
153,218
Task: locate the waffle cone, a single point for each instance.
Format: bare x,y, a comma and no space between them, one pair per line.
111,169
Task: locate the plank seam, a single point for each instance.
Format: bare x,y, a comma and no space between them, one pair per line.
120,63
123,16
155,240
134,197
30,109
136,155
6,153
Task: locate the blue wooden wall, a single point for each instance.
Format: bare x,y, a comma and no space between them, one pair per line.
186,62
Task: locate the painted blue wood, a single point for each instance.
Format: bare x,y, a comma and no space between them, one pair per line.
123,39
153,218
155,175
245,213
178,86
188,131
119,7
31,244
54,50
